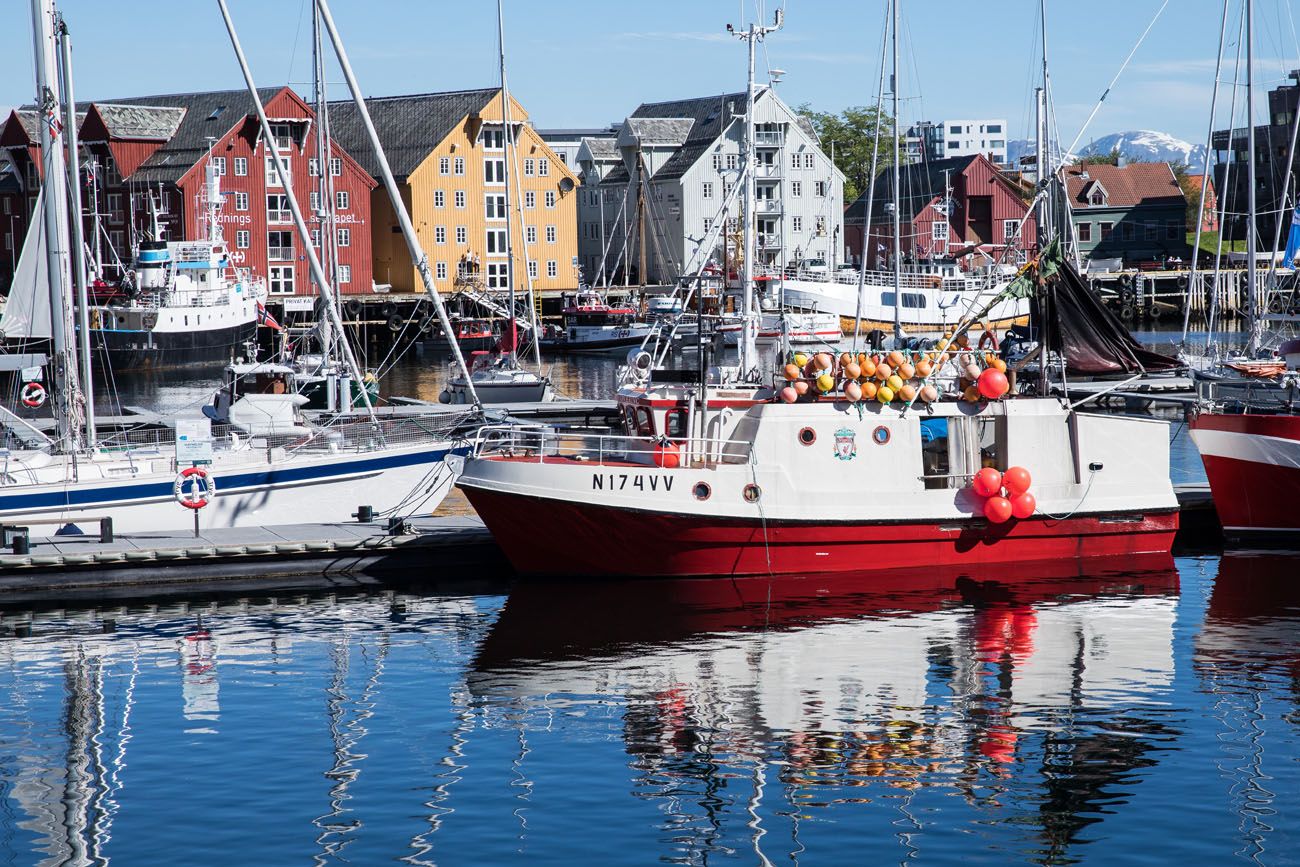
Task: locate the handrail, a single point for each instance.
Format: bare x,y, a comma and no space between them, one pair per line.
542,442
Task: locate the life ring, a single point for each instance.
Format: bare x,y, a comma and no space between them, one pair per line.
32,394
194,498
989,340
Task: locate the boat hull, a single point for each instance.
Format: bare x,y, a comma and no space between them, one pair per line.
547,537
1253,465
134,350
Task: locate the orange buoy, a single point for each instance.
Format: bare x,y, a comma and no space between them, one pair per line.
906,370
853,370
1024,505
1017,480
997,509
923,368
868,368
869,391
863,358
824,361
895,358
852,391
993,383
792,372
963,340
845,358
801,386
907,392
929,393
971,394
883,371
987,482
998,364
789,395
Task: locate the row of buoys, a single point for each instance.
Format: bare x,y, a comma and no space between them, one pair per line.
1006,495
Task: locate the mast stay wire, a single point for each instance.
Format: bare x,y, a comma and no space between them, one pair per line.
1115,80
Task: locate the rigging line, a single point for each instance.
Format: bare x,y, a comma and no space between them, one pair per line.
1114,80
293,54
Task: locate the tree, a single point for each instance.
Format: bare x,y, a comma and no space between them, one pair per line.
850,136
1191,187
1110,159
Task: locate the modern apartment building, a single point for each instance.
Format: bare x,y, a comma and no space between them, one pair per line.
937,140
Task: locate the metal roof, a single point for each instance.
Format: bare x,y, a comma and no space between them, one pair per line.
409,127
710,115
156,123
656,131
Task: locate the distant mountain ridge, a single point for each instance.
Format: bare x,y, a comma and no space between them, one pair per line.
1143,145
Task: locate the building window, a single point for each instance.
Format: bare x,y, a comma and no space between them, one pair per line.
492,139
243,238
277,208
115,207
280,279
1106,230
530,234
1010,230
272,176
344,237
552,268
707,189
439,234
497,275
819,188
495,206
279,246
219,165
282,136
939,230
550,234
241,201
544,167
733,160
530,199
1151,231
444,165
494,171
1098,198
313,167
809,160
550,198
439,199
995,127
708,225
717,162
336,167
496,241
315,238
314,201
462,235
529,167
460,165
342,200
532,269
441,271
241,167
796,161
796,188
345,273
796,224
460,198
1085,232
117,240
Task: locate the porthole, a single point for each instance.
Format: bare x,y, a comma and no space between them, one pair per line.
752,493
701,490
807,436
880,435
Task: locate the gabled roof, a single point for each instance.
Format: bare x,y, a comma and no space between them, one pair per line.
409,127
709,116
1126,186
152,123
601,148
655,131
30,119
920,183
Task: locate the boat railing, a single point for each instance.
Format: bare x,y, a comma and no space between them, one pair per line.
544,444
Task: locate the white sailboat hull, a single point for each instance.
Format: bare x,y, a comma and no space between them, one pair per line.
928,308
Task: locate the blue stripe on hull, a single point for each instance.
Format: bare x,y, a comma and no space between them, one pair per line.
127,494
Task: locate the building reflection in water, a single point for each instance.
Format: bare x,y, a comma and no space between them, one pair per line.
825,692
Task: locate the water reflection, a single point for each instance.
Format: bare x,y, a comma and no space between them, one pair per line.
1042,690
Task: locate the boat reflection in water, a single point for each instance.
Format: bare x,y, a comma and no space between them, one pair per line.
832,691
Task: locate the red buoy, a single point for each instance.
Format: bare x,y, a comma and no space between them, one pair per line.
1017,480
1024,505
997,510
993,383
987,482
667,456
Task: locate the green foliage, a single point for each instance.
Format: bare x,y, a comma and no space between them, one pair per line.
854,132
1110,159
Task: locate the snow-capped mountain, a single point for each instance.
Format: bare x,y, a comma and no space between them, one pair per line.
1146,145
1137,145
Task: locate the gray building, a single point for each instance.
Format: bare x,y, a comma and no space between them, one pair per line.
936,140
673,164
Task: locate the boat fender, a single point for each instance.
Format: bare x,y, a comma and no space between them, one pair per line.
388,309
200,491
395,323
1181,282
444,396
989,340
33,394
354,307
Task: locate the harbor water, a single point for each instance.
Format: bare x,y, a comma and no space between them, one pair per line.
1114,712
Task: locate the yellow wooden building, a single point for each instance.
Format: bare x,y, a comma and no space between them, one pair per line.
447,152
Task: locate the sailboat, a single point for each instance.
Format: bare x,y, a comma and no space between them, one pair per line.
498,377
266,464
1247,429
817,467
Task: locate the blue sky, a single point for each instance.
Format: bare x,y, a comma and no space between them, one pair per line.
590,62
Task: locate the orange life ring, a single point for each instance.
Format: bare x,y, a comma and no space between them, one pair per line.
194,498
33,394
989,340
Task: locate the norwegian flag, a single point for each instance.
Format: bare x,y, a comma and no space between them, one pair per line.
264,317
53,122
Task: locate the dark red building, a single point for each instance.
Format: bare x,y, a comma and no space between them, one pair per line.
961,207
148,158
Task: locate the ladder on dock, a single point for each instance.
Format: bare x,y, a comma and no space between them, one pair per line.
475,291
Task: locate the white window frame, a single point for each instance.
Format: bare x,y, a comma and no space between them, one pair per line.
458,166
243,238
530,199
345,273
461,199
219,165
532,268
313,167
497,275
272,176
494,206
530,235
241,167
551,234
706,190
444,165
939,230
462,235
550,198
241,201
529,167
552,268
796,189
543,167
439,198
276,281
439,234
342,200
440,270
496,243
336,167
343,237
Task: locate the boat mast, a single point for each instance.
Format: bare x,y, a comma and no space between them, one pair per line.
898,199
1252,314
418,255
506,136
749,329
313,261
78,241
55,202
324,186
1046,175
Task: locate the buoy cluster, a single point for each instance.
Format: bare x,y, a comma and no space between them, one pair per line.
1004,495
896,375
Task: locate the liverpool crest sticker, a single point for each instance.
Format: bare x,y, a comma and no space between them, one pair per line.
846,448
